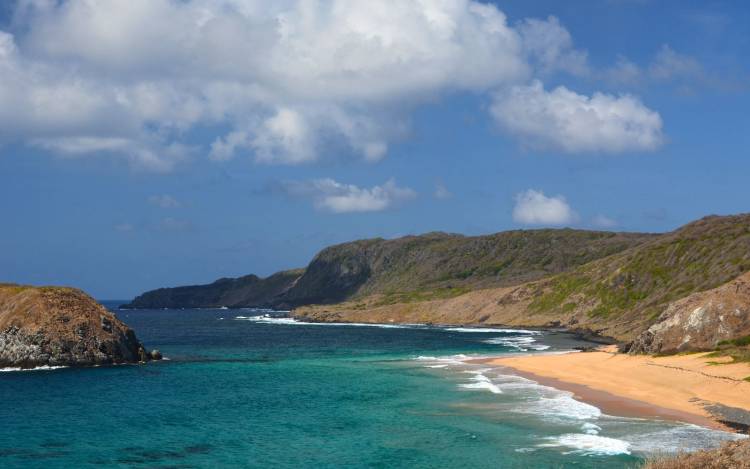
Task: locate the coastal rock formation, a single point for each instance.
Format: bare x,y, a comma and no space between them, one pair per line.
242,292
700,321
56,326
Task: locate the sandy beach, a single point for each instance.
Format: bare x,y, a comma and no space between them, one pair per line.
681,387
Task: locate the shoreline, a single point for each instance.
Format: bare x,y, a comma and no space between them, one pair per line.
676,388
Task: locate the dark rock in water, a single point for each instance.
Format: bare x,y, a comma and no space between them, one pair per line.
57,326
155,355
700,321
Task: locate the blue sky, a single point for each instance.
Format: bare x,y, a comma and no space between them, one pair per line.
146,148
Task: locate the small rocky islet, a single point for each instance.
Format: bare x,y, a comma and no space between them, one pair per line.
60,326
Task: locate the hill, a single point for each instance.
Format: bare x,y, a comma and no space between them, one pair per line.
620,295
430,266
247,291
56,326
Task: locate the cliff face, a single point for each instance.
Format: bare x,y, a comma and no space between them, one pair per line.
58,326
700,321
247,291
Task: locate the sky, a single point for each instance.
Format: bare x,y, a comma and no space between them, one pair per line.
154,143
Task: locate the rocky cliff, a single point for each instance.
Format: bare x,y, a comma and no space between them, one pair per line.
701,321
247,291
57,326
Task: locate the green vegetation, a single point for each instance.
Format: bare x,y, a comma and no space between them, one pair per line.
562,288
643,280
740,342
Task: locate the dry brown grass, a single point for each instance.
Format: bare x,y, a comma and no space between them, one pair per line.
733,455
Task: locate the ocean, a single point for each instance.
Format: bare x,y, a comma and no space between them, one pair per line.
240,389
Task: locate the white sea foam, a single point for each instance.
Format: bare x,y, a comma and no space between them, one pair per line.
591,428
563,405
490,329
481,382
482,385
442,362
267,319
38,368
522,343
686,437
585,443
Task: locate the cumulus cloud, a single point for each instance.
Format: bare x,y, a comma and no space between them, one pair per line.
571,122
331,196
534,208
164,201
286,80
667,65
603,221
550,45
84,77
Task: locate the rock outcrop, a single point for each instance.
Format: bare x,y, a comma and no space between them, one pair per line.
242,292
700,321
57,326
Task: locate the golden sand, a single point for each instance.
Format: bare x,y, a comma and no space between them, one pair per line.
675,387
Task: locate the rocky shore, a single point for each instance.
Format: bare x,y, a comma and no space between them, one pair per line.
57,326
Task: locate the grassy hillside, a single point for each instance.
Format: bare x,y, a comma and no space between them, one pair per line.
632,288
439,265
619,295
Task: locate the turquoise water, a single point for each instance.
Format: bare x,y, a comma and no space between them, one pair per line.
251,392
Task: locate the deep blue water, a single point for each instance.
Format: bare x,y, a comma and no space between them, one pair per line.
255,393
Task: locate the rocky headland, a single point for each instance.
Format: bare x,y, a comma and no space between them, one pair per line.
58,326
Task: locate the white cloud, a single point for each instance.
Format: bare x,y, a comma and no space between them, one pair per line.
669,64
623,72
283,77
441,191
534,208
602,221
331,196
562,119
286,79
164,201
550,45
